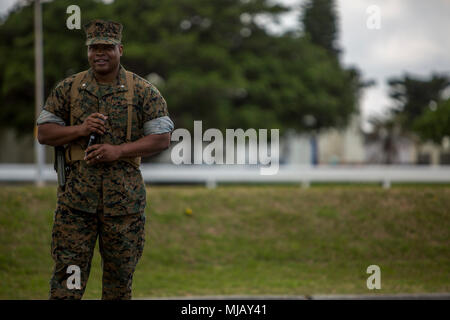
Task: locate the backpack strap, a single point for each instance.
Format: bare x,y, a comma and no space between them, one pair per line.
129,95
74,92
74,151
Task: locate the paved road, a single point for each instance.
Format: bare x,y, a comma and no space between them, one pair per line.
418,296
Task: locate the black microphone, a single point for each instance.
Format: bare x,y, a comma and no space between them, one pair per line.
93,138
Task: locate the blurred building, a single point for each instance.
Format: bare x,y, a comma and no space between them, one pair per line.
295,148
352,146
406,150
345,146
332,146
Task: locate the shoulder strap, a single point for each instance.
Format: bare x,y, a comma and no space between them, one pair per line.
129,95
74,91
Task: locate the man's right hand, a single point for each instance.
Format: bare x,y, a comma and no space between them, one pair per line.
54,134
95,123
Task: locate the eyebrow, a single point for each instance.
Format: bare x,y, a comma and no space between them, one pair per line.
102,45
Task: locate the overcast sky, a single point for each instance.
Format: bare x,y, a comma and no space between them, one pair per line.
413,37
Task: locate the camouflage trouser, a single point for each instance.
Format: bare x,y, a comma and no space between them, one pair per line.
121,241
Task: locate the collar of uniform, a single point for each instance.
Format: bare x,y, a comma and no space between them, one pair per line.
90,84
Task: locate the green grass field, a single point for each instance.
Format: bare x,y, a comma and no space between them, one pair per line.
245,240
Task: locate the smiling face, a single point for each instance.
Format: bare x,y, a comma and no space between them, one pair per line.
104,59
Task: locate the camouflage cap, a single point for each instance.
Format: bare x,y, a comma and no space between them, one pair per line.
103,32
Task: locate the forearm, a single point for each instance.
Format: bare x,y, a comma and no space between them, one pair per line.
53,134
146,146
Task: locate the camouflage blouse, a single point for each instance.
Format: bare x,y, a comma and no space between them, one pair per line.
117,186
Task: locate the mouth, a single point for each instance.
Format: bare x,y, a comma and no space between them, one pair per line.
101,62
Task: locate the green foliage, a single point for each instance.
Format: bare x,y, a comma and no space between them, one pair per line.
213,65
434,124
320,24
413,97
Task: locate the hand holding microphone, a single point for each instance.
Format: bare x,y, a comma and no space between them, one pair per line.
95,123
94,126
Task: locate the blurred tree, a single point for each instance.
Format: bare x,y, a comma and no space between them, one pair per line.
339,88
419,113
64,54
319,21
211,60
17,70
434,123
413,95
388,133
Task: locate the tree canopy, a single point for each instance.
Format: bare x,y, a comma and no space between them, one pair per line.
413,94
211,60
319,20
434,123
421,107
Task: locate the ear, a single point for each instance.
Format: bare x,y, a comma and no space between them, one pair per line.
120,50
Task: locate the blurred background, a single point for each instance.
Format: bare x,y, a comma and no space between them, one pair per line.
360,91
359,83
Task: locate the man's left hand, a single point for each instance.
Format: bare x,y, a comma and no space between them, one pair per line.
102,153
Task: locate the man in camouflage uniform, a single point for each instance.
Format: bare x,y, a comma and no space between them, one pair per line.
104,194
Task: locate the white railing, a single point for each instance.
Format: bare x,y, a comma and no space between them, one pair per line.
212,175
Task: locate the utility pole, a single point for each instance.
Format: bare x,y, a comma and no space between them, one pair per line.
39,90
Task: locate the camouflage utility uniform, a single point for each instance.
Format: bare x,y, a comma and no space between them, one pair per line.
106,199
